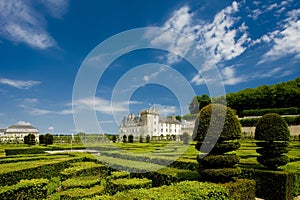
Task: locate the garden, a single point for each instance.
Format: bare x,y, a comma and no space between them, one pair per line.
224,167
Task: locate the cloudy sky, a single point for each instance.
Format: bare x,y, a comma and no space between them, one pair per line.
45,43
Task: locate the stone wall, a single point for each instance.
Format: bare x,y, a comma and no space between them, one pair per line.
249,131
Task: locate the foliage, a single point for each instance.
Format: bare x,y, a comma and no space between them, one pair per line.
218,166
53,184
190,117
282,95
191,190
124,138
114,138
130,138
118,185
185,138
25,189
119,174
198,102
211,118
280,111
271,127
271,185
241,189
79,193
48,139
85,168
81,182
147,138
273,130
42,139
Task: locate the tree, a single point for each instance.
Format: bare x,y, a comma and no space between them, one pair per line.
31,139
148,138
198,102
141,139
48,139
42,139
124,138
273,133
26,139
185,138
114,138
215,139
130,138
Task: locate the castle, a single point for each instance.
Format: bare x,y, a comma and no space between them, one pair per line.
150,123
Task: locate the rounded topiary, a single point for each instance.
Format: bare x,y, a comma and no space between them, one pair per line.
185,138
217,129
274,134
271,127
130,138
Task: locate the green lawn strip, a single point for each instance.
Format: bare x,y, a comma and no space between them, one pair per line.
80,182
79,193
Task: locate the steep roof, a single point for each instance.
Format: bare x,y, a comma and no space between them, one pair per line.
169,120
21,127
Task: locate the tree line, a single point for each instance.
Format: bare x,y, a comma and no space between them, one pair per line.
281,95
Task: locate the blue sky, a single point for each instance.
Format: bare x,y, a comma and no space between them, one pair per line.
44,43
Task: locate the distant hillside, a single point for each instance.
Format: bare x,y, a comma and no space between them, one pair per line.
282,95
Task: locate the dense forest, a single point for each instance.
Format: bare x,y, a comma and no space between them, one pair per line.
281,95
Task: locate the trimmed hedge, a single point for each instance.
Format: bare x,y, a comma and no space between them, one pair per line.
79,193
191,190
280,111
248,122
118,185
80,182
35,150
241,189
270,185
25,189
220,175
85,169
35,170
118,174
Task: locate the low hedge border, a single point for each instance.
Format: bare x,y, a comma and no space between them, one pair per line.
25,189
81,182
241,189
43,171
280,111
119,174
270,185
35,150
248,122
85,169
118,185
192,190
79,193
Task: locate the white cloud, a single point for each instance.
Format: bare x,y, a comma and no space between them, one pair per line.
23,123
51,128
229,76
21,22
276,72
19,83
102,105
287,41
153,75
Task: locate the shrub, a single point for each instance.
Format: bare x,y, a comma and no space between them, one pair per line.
81,182
185,138
270,185
84,169
218,138
280,111
42,139
124,138
31,139
119,174
48,139
79,193
274,133
191,190
25,189
114,138
117,185
148,138
130,138
242,189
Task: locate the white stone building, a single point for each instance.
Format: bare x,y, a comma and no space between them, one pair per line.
149,122
18,132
